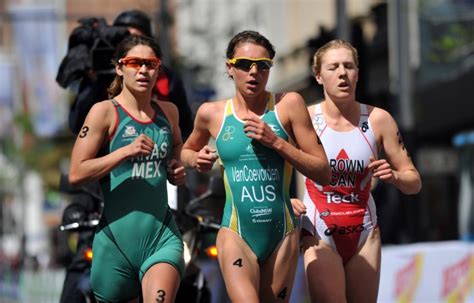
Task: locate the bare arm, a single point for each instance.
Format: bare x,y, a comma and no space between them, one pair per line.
85,167
196,153
175,171
310,158
398,169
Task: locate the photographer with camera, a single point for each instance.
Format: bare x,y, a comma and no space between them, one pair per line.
87,67
87,70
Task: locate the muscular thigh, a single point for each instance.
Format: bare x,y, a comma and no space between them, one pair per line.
324,271
113,278
239,267
278,271
365,263
160,283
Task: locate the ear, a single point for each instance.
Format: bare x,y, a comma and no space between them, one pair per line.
318,79
118,70
230,70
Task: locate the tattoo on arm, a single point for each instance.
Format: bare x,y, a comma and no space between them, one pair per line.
84,131
238,262
400,141
283,293
160,296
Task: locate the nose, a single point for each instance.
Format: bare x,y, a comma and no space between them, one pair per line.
342,70
143,68
253,68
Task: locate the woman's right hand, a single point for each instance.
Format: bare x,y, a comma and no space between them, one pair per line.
141,146
205,159
298,207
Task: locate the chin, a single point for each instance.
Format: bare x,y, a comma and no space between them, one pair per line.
344,94
144,88
253,91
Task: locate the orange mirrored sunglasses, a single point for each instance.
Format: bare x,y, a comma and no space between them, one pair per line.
137,62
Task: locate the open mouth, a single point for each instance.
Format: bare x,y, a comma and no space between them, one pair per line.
253,82
343,85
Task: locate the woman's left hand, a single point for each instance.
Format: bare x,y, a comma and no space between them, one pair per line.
176,172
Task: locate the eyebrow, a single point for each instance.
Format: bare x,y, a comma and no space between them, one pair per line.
338,63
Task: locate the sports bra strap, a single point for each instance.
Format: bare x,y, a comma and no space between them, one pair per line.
364,116
271,104
317,109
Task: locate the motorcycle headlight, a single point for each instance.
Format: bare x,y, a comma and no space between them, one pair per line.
211,251
187,254
88,254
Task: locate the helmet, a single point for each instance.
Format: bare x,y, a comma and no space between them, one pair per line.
134,18
74,213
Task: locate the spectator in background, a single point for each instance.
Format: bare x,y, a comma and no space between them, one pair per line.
88,65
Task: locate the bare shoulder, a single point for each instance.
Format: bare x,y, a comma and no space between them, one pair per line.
384,125
166,105
211,109
169,108
290,103
292,112
101,111
288,98
104,105
101,117
379,116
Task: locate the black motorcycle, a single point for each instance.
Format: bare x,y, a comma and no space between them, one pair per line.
199,225
80,217
77,286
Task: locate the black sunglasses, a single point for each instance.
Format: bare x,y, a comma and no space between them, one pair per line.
245,64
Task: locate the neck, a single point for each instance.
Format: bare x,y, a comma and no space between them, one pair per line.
256,104
136,100
347,109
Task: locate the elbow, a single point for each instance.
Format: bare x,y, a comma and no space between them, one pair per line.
322,177
415,189
413,186
418,187
326,176
74,179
